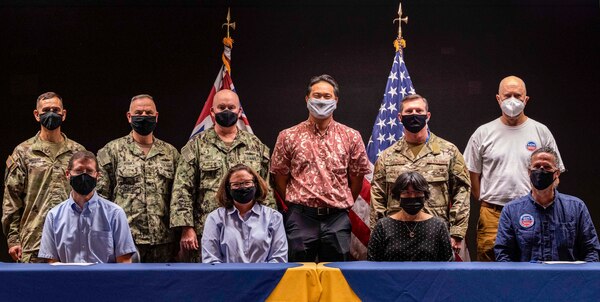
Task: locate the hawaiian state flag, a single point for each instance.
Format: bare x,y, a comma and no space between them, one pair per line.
386,131
223,81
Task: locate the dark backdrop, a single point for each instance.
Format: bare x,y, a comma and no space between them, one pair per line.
97,55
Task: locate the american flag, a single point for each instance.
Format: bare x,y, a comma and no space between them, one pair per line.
386,131
223,81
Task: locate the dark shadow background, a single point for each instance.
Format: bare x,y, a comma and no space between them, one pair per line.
97,55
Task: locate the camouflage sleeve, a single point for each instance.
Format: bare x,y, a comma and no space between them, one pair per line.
106,180
264,173
378,192
184,190
460,190
15,178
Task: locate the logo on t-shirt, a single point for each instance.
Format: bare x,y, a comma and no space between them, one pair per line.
526,220
531,146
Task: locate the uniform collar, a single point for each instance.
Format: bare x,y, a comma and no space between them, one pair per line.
432,145
157,147
241,138
38,145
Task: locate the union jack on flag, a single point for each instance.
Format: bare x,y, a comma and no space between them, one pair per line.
386,131
223,81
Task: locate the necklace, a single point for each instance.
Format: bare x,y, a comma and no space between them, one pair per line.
411,233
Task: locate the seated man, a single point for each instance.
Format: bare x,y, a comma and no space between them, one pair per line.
86,227
546,225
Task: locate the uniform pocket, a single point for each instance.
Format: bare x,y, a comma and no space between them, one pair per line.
210,173
129,174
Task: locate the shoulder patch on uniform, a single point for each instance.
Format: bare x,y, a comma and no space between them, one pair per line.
103,157
187,153
9,161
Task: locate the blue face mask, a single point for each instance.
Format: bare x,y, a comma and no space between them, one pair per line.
321,109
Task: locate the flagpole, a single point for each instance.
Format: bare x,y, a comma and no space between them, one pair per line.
400,43
228,41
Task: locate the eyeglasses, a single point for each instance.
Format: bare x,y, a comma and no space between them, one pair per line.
545,168
79,172
408,194
243,184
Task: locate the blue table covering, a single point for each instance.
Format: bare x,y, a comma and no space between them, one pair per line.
471,281
139,282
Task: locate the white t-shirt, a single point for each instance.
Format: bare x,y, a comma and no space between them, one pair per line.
501,153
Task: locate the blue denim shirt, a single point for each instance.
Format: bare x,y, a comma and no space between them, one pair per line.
561,232
260,237
98,233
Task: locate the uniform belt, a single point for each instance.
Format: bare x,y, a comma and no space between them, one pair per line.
496,207
317,211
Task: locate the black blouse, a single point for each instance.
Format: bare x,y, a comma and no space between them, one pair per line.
395,240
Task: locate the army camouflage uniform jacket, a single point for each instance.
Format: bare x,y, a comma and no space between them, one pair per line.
141,185
442,165
34,183
205,159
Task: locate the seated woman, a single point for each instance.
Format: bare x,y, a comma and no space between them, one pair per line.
242,229
410,234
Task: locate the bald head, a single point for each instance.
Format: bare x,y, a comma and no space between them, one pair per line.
512,82
225,100
226,96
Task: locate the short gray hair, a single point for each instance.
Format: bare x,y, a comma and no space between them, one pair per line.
548,150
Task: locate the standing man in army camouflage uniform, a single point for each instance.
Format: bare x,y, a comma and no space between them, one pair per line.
136,172
438,160
205,159
35,179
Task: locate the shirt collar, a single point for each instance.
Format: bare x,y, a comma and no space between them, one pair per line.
255,209
535,203
90,205
312,127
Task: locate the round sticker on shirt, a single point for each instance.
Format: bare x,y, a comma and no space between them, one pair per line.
531,146
526,220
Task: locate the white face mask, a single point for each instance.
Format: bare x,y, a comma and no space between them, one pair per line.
321,109
512,106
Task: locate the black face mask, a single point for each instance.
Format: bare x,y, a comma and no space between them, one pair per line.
541,179
83,183
143,124
51,120
414,122
412,205
243,195
226,118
